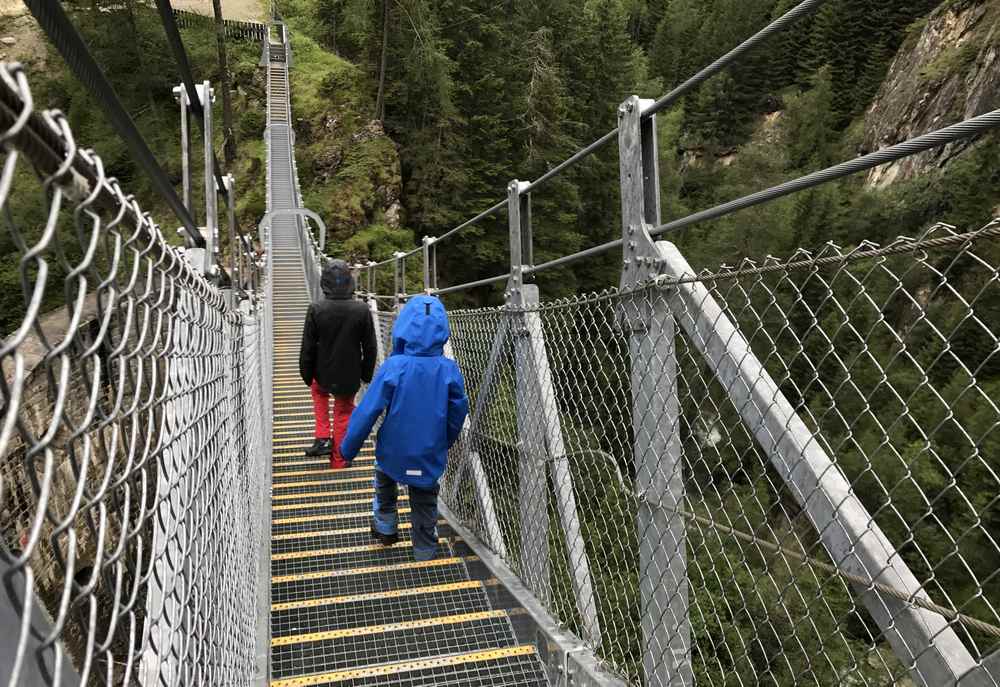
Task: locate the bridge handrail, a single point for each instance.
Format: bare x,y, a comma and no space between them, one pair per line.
121,444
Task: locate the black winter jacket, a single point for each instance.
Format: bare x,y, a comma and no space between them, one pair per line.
338,339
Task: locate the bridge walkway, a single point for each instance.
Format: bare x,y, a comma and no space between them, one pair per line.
344,610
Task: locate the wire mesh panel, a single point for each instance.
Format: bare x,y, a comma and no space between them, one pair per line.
384,320
784,473
133,465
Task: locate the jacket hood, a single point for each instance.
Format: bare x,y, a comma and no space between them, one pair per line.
421,328
337,280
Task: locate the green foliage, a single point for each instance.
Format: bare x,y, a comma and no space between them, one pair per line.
953,59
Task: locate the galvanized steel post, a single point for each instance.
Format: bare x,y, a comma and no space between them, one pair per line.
540,431
180,94
235,255
399,277
663,584
430,264
206,94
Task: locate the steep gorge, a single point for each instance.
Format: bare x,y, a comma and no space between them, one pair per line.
947,70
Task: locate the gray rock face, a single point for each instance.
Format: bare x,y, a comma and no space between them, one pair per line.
947,73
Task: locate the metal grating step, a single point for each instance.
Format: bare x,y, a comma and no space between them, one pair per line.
355,473
309,542
302,499
361,610
370,579
514,666
402,641
307,462
322,523
299,458
317,507
305,485
366,555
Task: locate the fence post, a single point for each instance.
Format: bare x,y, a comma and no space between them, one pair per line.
206,94
235,257
180,93
540,433
399,278
656,447
430,264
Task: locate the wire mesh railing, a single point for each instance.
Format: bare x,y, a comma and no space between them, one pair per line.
134,422
785,475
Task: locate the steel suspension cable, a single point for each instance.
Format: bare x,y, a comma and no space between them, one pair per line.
972,127
935,139
778,25
69,43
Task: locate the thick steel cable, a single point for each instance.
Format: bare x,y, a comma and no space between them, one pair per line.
967,129
67,40
169,21
701,77
485,213
971,127
482,215
780,24
990,231
470,285
799,11
572,160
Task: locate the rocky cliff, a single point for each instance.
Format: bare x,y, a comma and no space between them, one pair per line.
948,69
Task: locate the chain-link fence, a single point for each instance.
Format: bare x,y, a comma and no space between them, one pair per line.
781,473
134,424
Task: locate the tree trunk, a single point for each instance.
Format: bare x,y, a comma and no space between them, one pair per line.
380,100
229,135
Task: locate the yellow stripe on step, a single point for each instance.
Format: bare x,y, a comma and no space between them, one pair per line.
328,504
327,471
335,516
389,627
295,555
320,483
328,533
321,494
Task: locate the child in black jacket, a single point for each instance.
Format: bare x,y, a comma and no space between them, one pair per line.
338,353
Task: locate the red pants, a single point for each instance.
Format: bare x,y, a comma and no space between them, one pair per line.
343,406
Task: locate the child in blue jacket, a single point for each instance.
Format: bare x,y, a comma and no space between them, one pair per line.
423,397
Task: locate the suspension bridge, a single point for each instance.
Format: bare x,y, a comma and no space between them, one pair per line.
692,477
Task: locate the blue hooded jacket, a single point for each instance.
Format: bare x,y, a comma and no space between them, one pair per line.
422,394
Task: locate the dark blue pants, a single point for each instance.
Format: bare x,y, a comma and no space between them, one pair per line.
423,514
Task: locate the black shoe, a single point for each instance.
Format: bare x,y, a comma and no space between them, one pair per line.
384,539
320,447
